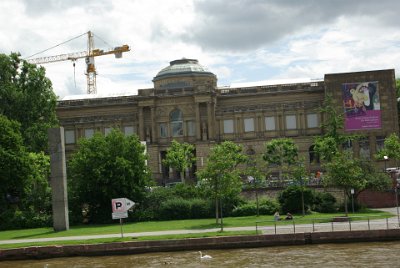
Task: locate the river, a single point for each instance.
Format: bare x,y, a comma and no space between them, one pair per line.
374,254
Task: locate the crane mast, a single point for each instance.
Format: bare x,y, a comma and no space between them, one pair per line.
89,56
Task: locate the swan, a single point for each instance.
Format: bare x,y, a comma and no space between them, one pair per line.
204,257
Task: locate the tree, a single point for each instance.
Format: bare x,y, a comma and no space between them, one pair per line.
221,176
104,168
27,97
256,176
300,178
344,172
391,148
180,156
282,152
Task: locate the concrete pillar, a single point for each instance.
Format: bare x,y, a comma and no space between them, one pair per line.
58,179
153,125
210,120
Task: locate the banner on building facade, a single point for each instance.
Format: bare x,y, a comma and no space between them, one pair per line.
362,109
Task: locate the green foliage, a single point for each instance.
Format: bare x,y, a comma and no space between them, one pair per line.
391,148
180,156
266,207
220,178
290,199
281,151
324,202
176,208
104,168
27,97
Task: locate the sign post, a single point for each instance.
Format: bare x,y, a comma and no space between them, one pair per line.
120,207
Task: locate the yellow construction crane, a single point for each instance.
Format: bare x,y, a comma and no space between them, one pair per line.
89,58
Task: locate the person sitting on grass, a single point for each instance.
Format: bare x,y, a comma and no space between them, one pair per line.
277,217
289,216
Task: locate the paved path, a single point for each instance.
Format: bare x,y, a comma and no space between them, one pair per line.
288,228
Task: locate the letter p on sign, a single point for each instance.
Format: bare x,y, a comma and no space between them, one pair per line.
118,205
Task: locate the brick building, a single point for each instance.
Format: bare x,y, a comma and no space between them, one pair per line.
186,104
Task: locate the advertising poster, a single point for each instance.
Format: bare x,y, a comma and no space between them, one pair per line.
362,108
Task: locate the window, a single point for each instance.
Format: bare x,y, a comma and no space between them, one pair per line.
107,130
191,128
248,124
291,122
228,126
380,142
69,136
89,132
364,148
270,123
347,146
312,120
163,130
129,130
176,123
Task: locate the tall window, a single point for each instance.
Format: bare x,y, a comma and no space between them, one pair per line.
69,136
312,120
270,123
228,126
129,130
191,128
364,148
291,122
89,132
163,130
107,130
248,124
176,119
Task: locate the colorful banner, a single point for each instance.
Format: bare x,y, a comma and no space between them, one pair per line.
362,109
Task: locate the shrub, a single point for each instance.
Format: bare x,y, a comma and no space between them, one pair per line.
200,209
175,209
268,207
249,209
290,199
265,207
324,202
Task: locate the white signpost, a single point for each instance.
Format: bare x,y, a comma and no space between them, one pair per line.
120,207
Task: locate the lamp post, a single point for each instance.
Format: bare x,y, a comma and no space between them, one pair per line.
385,157
397,200
352,199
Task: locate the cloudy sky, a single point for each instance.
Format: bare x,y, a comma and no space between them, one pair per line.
240,41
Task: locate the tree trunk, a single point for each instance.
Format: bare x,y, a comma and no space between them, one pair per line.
222,218
345,203
258,212
183,176
216,211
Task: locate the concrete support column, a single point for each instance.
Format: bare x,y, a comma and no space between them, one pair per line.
58,179
198,123
141,124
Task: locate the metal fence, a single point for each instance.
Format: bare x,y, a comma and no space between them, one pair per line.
351,223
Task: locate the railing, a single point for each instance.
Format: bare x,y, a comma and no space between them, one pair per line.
351,223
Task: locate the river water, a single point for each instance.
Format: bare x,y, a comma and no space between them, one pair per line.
375,254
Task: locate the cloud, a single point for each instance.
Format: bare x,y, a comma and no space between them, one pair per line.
240,25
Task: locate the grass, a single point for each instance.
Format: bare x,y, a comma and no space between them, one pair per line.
128,239
152,226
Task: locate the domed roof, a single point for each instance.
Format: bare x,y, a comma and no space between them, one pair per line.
182,67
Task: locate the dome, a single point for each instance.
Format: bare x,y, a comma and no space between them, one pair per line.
182,67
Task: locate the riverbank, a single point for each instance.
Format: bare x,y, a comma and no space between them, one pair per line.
225,242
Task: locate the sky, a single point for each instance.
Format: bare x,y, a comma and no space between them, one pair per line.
239,41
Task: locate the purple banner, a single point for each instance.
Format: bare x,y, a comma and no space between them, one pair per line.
362,109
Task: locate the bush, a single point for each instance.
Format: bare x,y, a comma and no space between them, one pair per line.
324,202
265,207
175,209
23,219
290,199
201,209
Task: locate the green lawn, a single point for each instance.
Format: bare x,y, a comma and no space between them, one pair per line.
171,225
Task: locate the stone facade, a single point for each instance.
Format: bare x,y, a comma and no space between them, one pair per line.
187,105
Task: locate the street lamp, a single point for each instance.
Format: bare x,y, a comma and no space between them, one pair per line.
397,199
385,157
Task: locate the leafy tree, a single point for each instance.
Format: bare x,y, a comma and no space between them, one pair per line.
391,148
289,199
27,97
344,172
300,177
282,152
180,156
221,176
104,168
256,177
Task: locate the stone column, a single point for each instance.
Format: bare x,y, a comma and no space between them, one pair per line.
210,120
141,124
58,180
198,122
153,125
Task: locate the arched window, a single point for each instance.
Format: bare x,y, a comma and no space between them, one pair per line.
176,119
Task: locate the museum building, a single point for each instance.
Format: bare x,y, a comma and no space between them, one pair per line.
187,105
